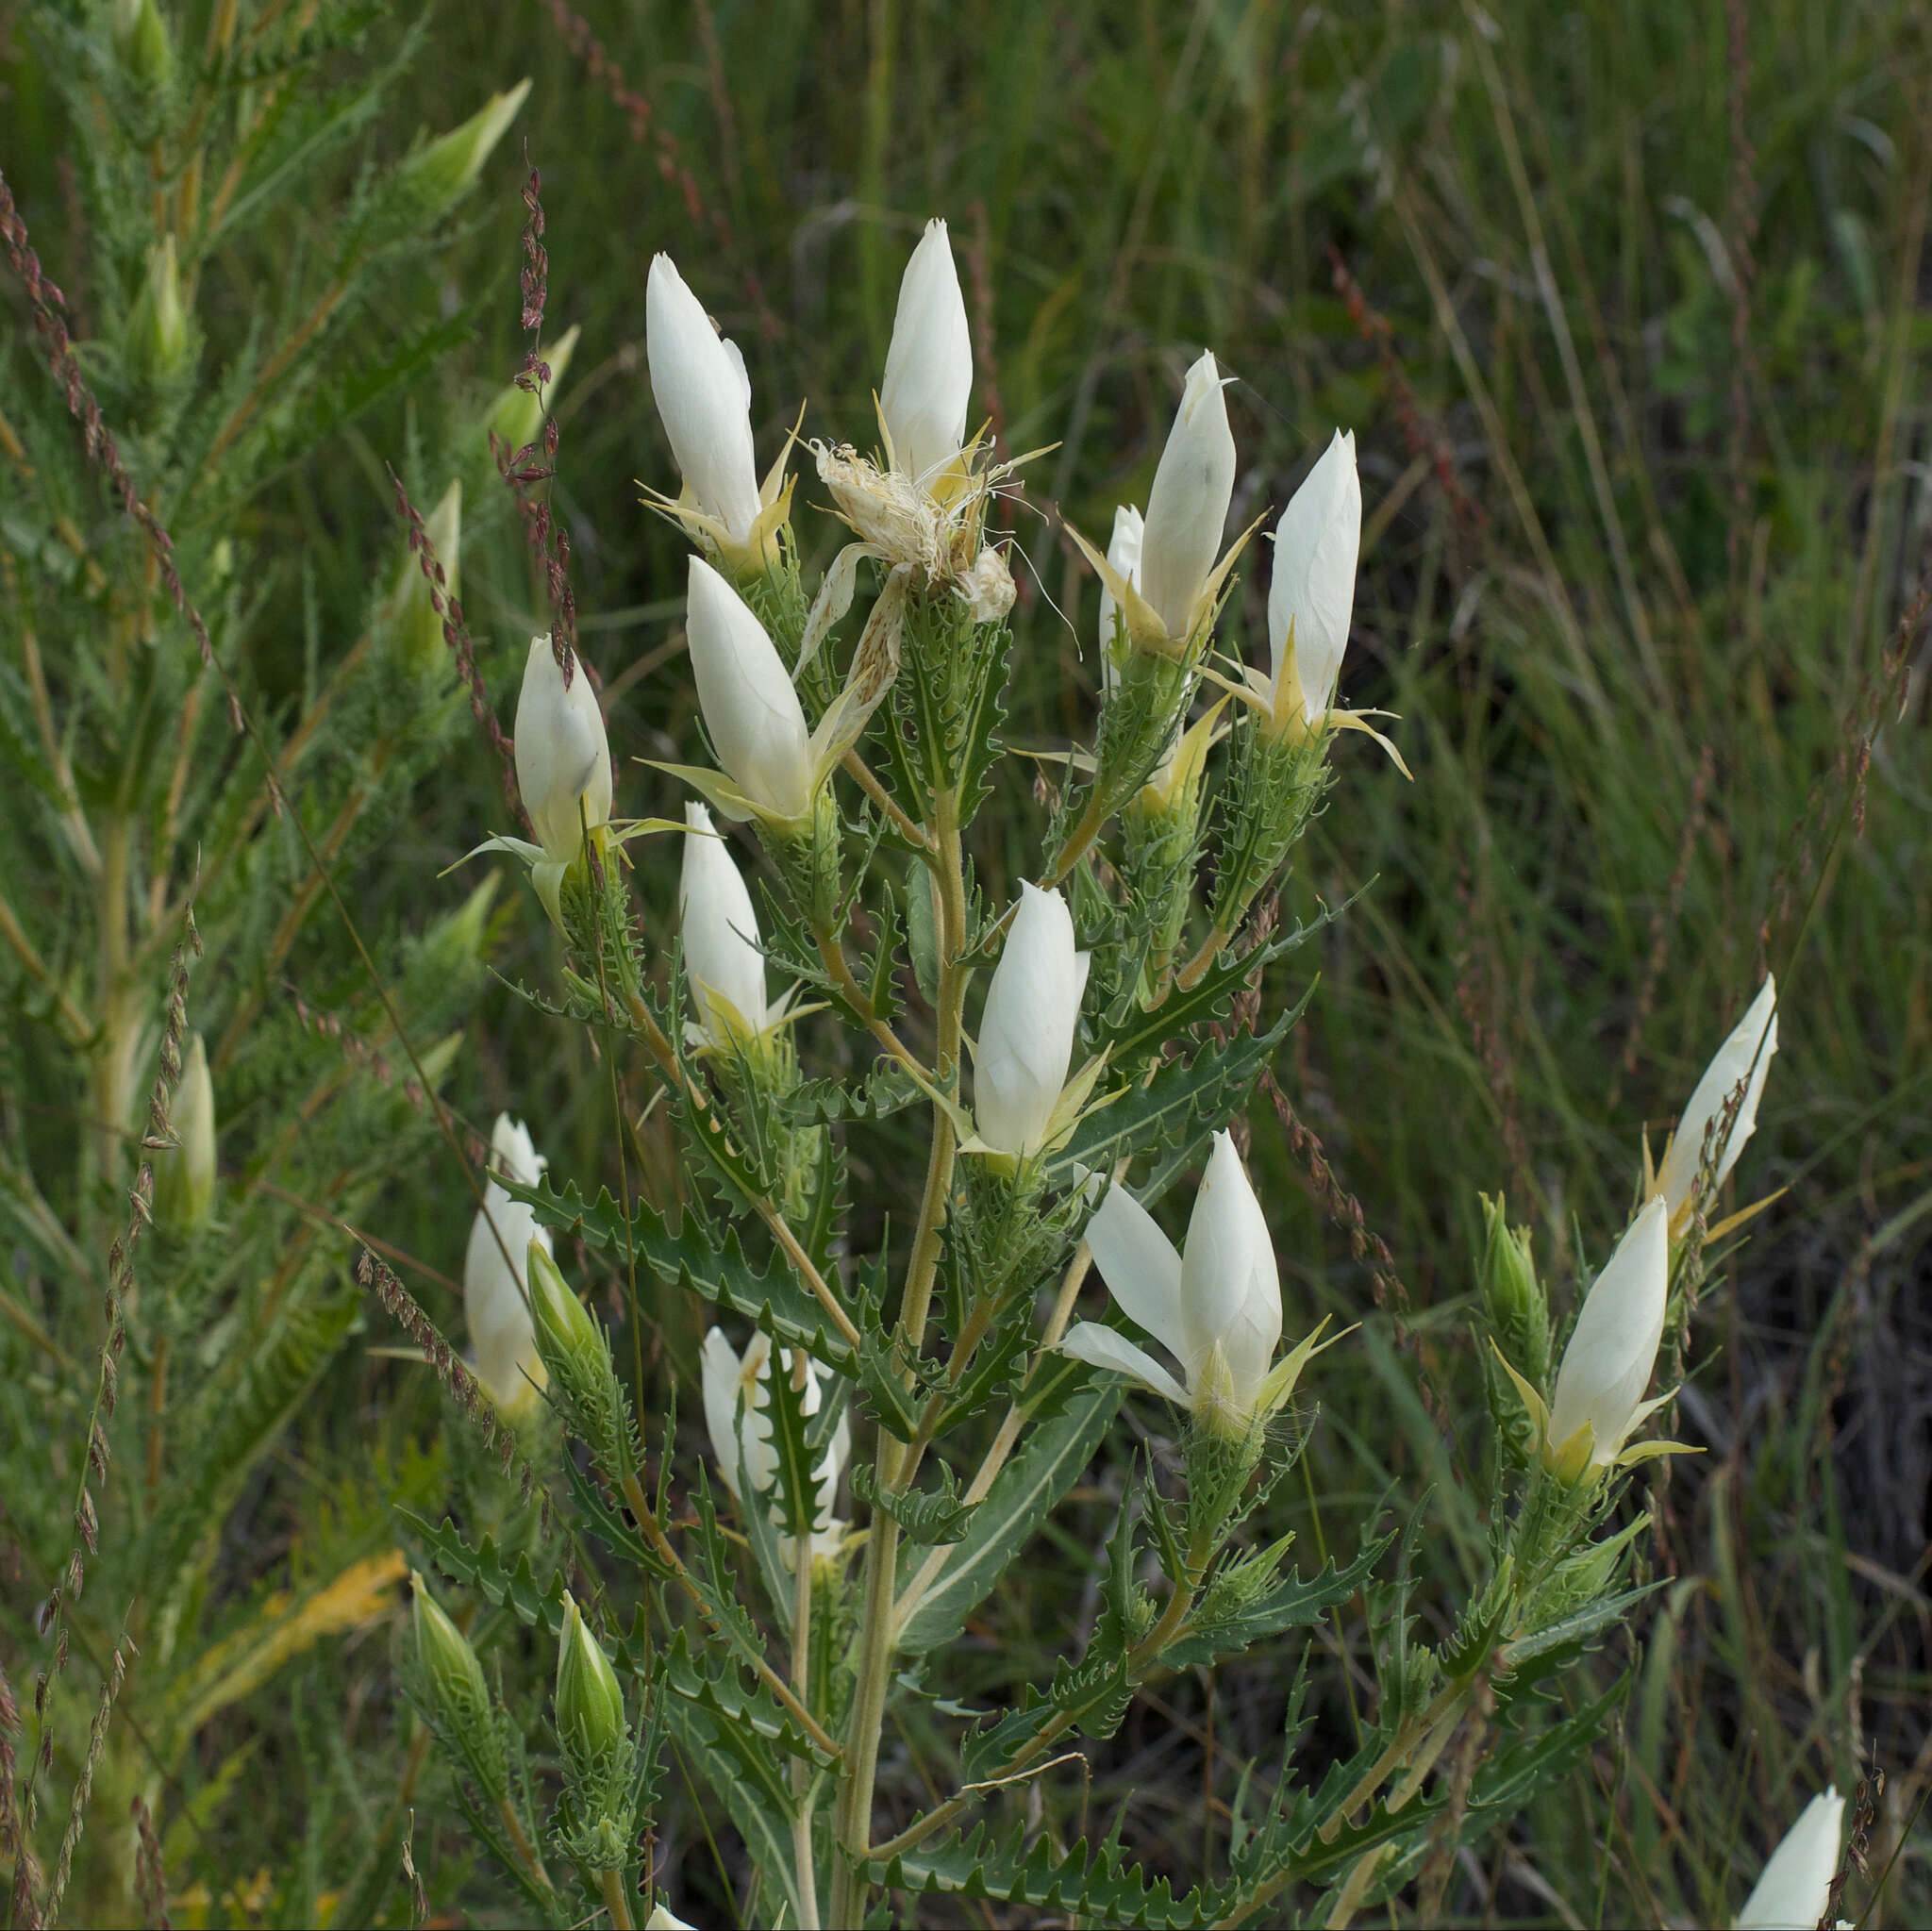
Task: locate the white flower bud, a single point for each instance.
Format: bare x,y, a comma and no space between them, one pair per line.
1316,546
1797,1884
1612,1348
497,1306
1218,1311
1123,553
704,395
750,708
929,365
417,627
719,930
185,1173
1743,1060
516,416
1187,509
441,174
663,1919
563,757
737,1399
1026,1026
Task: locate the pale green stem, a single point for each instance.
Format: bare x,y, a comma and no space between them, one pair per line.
801,1779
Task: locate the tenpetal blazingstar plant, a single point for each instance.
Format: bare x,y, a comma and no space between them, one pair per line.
1793,1891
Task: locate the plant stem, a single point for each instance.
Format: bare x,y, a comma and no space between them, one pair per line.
1079,841
612,1883
521,1844
833,956
801,1779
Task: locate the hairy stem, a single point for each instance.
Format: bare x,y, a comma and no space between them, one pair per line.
615,1902
526,1851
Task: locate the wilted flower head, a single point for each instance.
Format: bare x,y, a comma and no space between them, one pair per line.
929,380
1027,1028
1796,1885
738,1400
496,1303
1742,1061
1312,597
1217,1309
704,397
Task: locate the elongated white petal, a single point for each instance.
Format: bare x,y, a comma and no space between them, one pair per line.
1187,507
1791,1895
514,1153
929,365
1101,1347
1230,1288
719,931
495,1302
1026,1026
1123,553
1738,1061
704,397
1612,1348
1141,1268
562,756
750,708
1316,546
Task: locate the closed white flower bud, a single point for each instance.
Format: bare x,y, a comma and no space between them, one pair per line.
1743,1060
563,756
418,628
750,708
185,1173
737,1399
719,931
1797,1884
704,395
141,41
1316,546
1612,1348
441,172
516,416
661,1919
1123,553
1187,507
1026,1026
929,365
496,1305
1217,1311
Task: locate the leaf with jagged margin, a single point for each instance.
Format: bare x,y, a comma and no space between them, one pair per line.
536,1602
887,1089
1213,1087
1291,1603
931,1517
1092,1886
794,1491
738,1699
1531,1659
1023,1494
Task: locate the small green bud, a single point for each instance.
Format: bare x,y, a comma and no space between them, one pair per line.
567,1334
516,416
185,1173
438,176
459,1696
417,628
157,330
589,1702
141,40
1514,1296
577,1357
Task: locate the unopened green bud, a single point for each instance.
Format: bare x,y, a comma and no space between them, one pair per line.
418,630
590,1703
577,1357
516,416
142,41
1514,1296
567,1334
457,1693
157,330
185,1173
438,176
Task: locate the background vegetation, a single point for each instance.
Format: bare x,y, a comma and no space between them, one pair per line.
1626,307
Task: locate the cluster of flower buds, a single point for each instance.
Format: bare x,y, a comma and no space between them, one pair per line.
497,1293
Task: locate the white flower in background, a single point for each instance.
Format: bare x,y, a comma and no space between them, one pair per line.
495,1293
1026,1030
738,1397
1797,1884
1187,507
719,930
661,1919
1123,553
928,381
773,766
1217,1309
1743,1061
1312,597
704,397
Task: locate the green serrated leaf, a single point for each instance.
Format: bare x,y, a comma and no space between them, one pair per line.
931,1517
1290,1604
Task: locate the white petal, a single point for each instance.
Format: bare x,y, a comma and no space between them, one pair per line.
1612,1348
719,1368
750,708
495,1307
1230,1288
1737,1062
1123,553
1187,507
563,755
1141,1268
1797,1879
1026,1026
704,395
515,1153
719,928
1101,1347
1316,547
929,380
